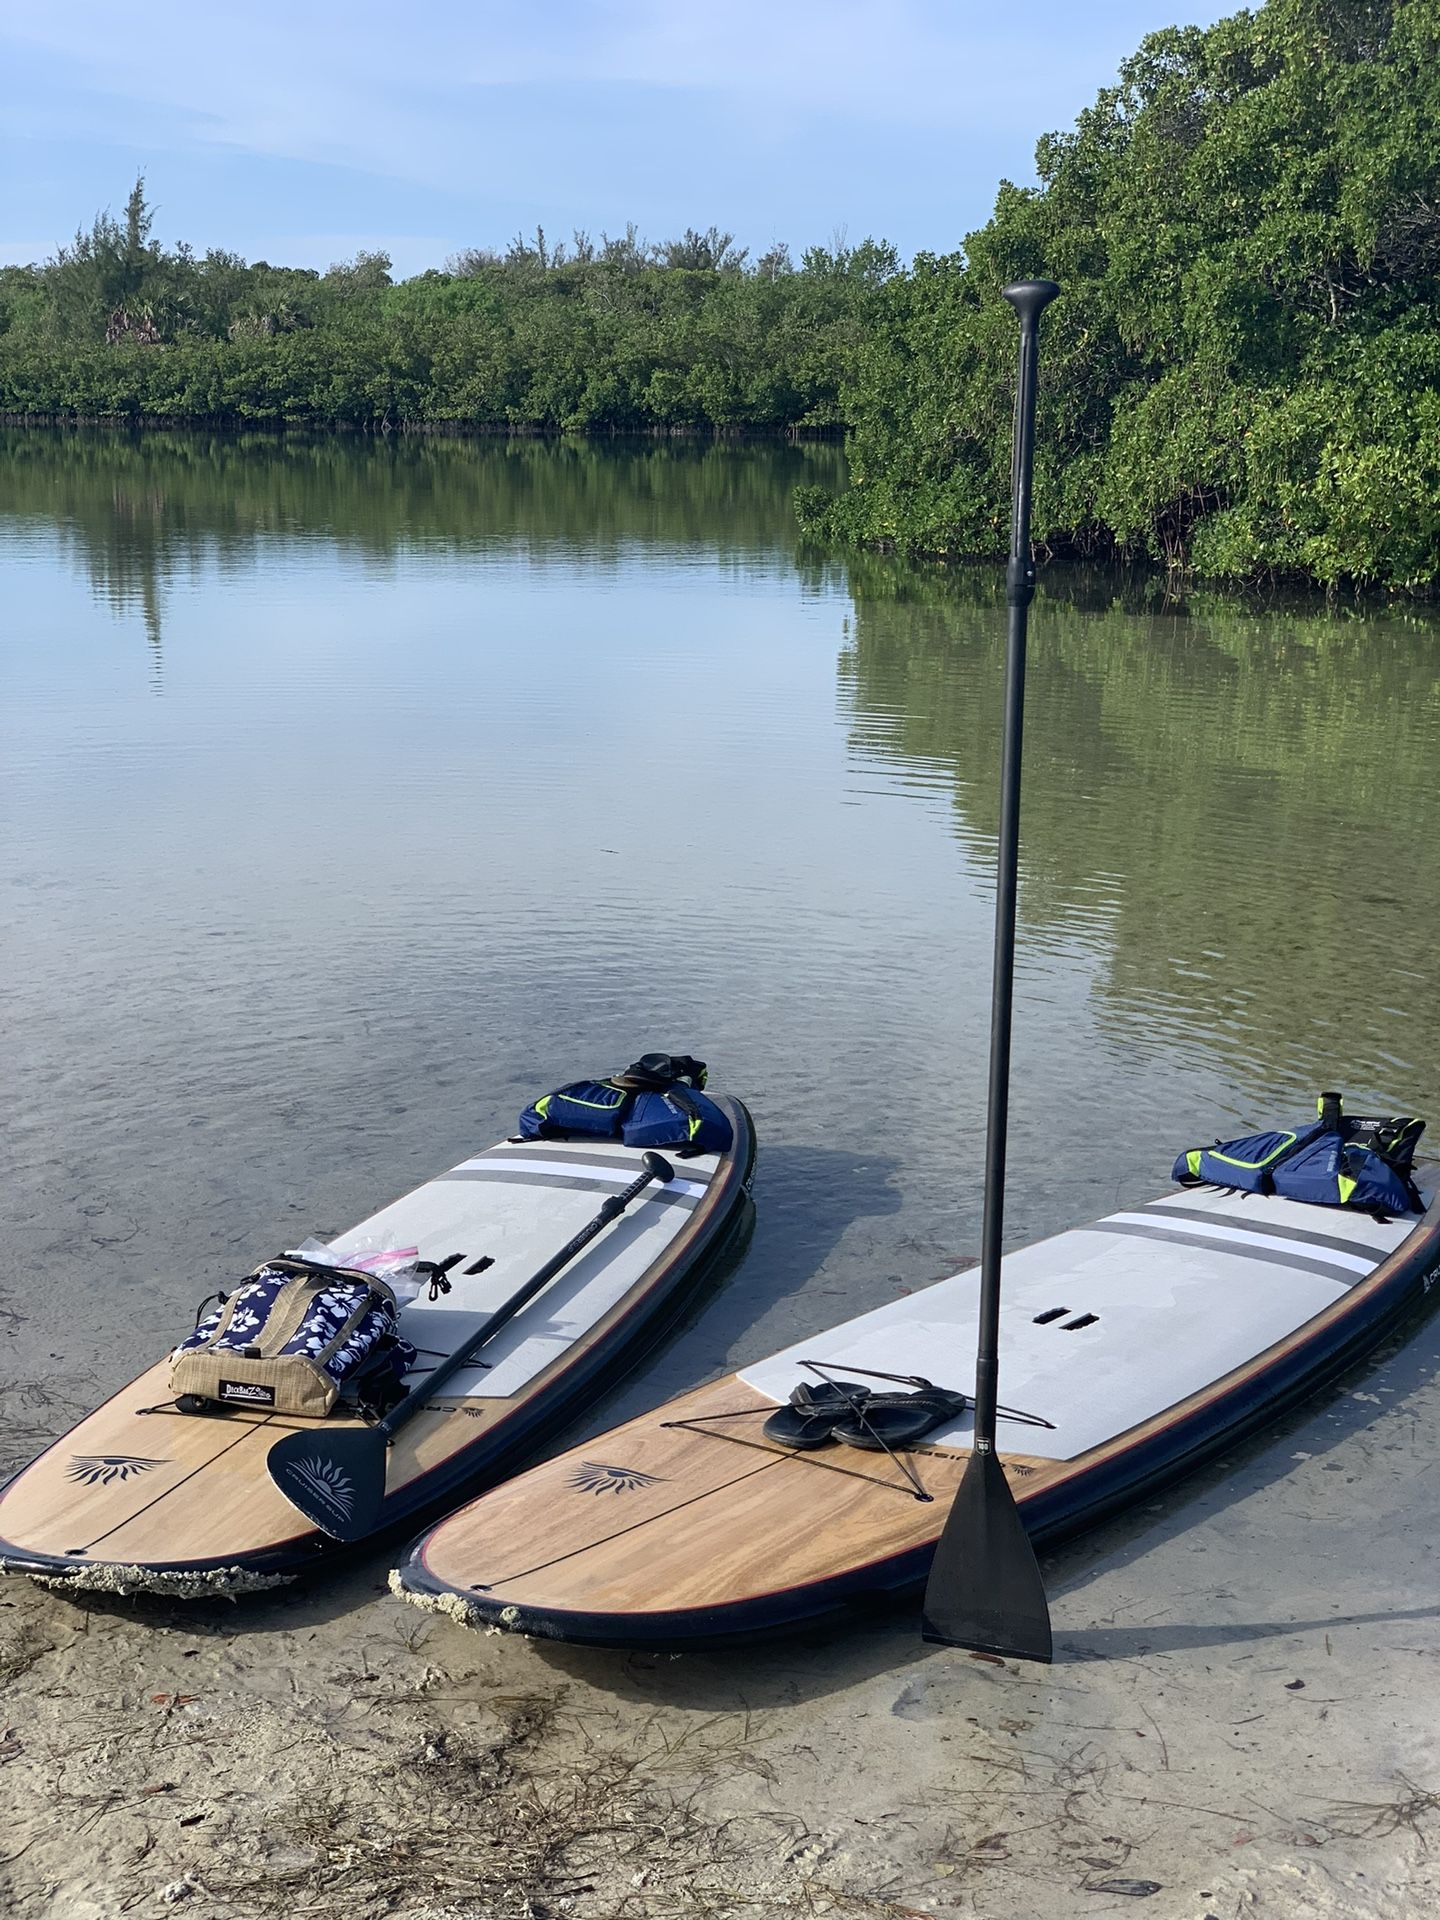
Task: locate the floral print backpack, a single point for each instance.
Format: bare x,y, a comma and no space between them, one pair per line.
292,1337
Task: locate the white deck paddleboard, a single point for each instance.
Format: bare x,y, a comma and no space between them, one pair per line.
140,1495
1145,1341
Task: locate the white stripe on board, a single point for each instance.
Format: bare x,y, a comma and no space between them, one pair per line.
1302,1249
617,1176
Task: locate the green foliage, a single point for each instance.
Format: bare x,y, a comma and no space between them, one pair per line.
584,337
1241,375
364,274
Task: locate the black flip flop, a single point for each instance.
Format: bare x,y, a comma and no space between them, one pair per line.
809,1420
895,1421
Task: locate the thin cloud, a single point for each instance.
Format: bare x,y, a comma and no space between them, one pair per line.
332,84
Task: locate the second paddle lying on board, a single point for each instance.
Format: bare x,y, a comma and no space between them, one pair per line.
337,1478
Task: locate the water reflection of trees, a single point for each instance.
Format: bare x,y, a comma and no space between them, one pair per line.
140,510
1235,806
1232,808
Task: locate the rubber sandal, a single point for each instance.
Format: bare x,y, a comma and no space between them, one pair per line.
809,1420
895,1421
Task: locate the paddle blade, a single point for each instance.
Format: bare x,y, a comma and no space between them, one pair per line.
336,1479
985,1590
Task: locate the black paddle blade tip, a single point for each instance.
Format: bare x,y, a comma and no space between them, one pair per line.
336,1479
985,1591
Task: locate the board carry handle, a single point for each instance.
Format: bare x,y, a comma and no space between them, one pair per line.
985,1591
337,1478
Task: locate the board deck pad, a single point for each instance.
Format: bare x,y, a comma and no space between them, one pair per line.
1145,1339
1195,1284
517,1205
138,1486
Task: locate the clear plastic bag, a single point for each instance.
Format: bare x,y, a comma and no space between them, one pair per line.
396,1266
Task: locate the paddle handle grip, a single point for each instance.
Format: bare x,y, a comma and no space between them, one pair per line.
656,1167
1029,298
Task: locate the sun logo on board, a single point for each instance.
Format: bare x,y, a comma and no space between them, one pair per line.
592,1476
325,1482
104,1469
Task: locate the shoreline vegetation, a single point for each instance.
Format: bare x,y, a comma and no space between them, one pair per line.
614,336
1241,380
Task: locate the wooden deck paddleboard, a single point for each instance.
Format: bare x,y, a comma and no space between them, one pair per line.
1148,1340
141,1497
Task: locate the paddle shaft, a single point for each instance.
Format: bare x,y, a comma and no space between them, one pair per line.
1029,299
656,1168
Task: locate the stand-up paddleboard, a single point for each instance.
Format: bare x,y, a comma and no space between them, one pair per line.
1147,1341
142,1497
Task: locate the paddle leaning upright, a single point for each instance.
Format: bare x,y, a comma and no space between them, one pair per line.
985,1589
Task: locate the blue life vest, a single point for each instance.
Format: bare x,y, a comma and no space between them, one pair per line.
1332,1172
1248,1163
585,1106
676,1117
657,1102
1333,1162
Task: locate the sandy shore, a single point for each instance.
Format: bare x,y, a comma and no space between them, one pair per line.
1241,1719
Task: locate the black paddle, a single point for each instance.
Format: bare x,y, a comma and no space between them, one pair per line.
336,1476
985,1588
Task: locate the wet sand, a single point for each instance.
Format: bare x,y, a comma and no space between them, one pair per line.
1241,1719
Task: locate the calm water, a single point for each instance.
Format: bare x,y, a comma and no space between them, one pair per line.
354,795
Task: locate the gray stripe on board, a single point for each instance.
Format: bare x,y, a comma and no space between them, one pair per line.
1175,1237
1246,1225
625,1159
653,1197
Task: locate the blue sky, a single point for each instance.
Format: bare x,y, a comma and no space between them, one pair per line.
299,133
